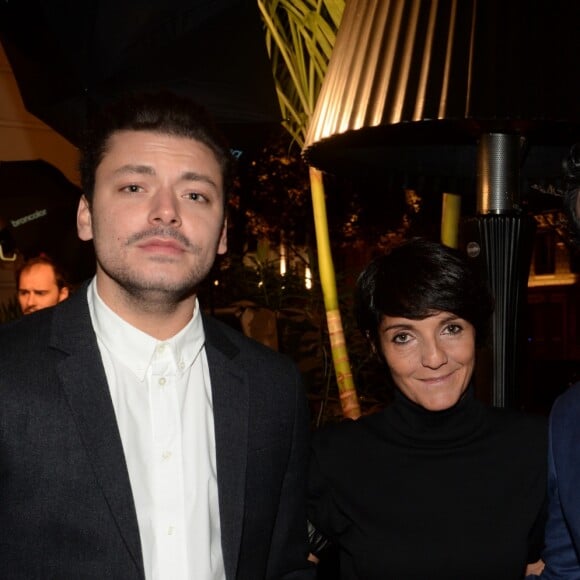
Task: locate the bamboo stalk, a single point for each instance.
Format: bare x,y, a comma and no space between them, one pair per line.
450,216
348,396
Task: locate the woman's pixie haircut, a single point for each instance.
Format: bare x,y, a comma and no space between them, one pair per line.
417,279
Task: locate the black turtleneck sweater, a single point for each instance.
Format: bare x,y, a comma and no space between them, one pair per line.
448,495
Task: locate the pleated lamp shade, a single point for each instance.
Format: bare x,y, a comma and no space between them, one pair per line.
413,84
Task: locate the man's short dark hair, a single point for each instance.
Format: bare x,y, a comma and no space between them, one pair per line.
163,112
417,279
59,274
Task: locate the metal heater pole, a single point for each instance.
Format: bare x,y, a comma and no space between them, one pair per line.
505,246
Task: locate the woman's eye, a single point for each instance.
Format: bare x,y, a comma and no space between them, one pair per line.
453,328
401,338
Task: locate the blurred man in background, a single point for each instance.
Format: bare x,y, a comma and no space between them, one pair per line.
562,550
41,284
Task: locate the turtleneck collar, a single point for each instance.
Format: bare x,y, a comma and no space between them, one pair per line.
413,425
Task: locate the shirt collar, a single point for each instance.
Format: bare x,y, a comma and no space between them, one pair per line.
135,348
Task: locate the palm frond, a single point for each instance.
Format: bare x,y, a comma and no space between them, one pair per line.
300,35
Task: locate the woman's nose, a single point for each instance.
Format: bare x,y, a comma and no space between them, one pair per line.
433,355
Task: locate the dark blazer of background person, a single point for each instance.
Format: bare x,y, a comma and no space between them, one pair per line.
563,529
562,551
66,508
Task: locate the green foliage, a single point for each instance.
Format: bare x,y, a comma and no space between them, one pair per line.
256,277
272,198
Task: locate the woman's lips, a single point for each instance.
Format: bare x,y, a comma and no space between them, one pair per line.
436,380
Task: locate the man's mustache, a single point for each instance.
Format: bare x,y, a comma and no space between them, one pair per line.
160,232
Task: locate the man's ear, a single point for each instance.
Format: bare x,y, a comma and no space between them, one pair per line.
84,220
63,294
223,241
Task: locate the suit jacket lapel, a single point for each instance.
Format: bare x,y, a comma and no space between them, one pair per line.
85,385
230,392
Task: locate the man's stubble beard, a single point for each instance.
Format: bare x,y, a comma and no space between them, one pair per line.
137,287
156,293
160,293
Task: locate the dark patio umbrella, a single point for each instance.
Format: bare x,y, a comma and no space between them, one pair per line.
39,204
68,56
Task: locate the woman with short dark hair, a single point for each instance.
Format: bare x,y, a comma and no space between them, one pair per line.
435,486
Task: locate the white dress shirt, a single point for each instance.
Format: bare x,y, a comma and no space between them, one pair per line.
161,393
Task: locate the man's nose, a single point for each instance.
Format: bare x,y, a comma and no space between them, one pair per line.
165,208
30,301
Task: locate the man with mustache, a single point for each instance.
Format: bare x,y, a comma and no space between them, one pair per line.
140,439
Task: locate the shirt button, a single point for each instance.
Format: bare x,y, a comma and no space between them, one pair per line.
166,455
160,348
171,530
181,365
162,381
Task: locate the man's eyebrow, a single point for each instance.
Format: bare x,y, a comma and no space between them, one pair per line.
133,168
194,176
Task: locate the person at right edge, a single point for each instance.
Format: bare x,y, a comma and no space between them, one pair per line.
437,486
562,551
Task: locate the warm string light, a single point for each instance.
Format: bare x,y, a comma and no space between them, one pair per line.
284,263
308,278
283,258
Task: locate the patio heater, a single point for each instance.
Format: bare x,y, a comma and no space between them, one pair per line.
482,92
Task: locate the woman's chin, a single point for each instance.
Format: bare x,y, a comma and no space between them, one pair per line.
440,402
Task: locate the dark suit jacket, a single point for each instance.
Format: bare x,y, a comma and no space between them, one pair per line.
66,507
562,552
